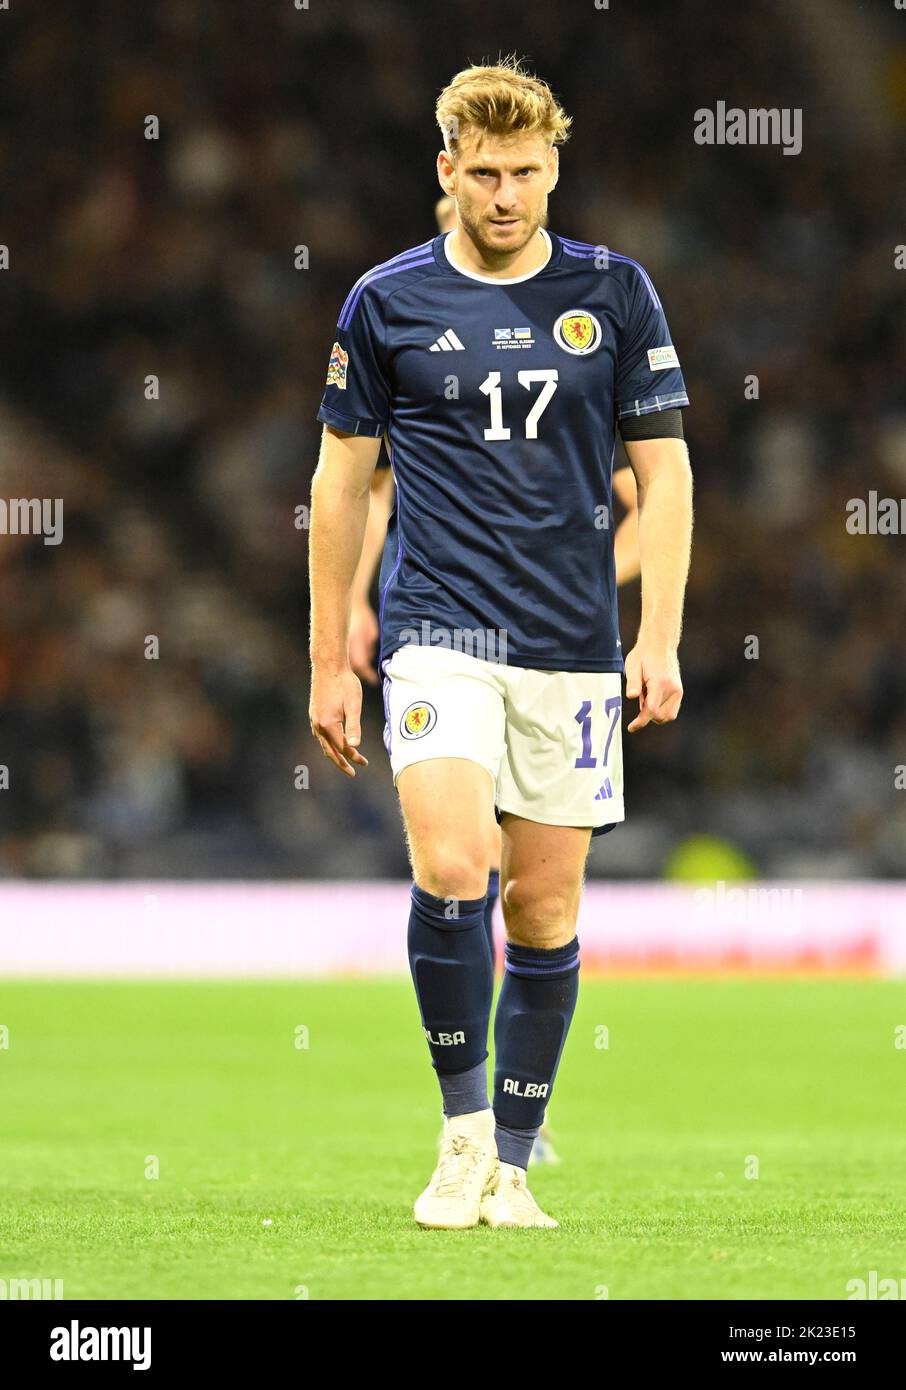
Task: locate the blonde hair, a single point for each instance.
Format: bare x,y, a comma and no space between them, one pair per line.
504,99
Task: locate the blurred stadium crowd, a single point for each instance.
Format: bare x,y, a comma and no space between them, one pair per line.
176,257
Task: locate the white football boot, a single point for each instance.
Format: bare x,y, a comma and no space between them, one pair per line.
509,1203
466,1170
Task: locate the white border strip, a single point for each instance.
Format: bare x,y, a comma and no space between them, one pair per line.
260,930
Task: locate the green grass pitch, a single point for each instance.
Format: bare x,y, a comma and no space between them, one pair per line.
289,1172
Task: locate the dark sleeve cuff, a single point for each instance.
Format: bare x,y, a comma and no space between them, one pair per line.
349,424
660,424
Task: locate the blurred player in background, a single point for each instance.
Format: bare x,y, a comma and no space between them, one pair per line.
499,359
364,632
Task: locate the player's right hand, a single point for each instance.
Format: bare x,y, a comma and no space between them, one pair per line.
363,638
335,713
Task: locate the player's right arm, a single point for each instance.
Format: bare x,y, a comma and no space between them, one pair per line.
355,410
340,495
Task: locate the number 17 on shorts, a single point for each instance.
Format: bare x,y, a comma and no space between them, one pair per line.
564,754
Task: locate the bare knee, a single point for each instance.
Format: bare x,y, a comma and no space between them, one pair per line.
537,915
451,872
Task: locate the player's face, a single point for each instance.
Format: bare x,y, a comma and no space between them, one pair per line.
501,185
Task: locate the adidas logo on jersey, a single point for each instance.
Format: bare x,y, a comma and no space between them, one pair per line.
448,342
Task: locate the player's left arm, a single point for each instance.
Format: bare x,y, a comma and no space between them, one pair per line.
649,395
664,480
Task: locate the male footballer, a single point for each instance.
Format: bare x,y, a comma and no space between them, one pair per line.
364,629
500,358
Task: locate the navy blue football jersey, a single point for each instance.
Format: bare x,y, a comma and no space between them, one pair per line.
500,399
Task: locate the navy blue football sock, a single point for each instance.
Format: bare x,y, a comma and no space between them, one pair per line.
534,1011
515,1145
493,895
464,1092
454,983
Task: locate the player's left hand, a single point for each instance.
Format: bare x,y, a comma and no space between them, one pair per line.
653,678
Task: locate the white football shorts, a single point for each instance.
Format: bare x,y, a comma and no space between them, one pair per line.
550,740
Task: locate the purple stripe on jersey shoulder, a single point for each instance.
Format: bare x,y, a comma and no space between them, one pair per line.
401,262
584,249
581,250
393,260
580,245
381,275
627,260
